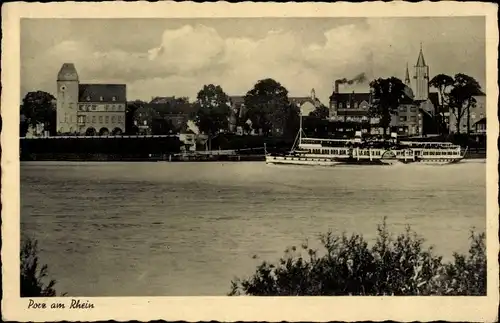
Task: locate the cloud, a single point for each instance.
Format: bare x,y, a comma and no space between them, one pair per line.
187,57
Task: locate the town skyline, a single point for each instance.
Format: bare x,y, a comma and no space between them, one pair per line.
181,55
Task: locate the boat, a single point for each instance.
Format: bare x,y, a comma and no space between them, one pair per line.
332,152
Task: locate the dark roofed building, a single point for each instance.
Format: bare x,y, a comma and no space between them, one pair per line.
89,109
102,93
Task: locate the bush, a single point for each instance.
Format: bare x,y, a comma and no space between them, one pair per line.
348,266
32,276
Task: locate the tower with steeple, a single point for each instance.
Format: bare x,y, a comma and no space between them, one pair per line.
421,78
407,77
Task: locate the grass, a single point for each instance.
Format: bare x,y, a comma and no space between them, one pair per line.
349,266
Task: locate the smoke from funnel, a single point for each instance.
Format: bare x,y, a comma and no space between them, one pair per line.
360,78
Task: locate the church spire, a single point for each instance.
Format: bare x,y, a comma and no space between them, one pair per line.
421,60
407,76
421,78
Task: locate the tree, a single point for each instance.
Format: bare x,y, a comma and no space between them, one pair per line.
39,108
387,96
212,110
320,112
132,107
457,94
442,83
269,108
32,275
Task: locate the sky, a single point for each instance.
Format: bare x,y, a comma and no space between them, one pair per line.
176,57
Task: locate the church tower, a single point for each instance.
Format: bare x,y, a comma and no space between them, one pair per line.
422,78
67,99
407,77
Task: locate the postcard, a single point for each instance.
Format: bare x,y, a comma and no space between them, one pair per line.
250,161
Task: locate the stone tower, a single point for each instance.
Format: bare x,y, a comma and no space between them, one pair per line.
67,99
421,78
313,95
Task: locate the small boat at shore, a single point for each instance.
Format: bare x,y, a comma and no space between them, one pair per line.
332,152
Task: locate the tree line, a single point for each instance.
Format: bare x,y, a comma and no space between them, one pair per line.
267,107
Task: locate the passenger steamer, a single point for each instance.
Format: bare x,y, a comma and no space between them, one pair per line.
331,152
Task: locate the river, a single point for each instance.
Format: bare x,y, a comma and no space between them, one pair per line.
164,229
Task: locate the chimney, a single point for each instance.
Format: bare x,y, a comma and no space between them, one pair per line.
336,89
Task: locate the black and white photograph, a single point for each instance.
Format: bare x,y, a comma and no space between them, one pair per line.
233,155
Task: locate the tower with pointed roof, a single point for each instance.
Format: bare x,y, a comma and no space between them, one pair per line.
421,78
67,98
407,77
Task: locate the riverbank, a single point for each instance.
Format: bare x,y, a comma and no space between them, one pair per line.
166,157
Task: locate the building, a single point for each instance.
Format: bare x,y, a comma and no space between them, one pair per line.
306,104
477,113
88,109
413,116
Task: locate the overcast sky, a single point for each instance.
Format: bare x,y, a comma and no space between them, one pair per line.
166,57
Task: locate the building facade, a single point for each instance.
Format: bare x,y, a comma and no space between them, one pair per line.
408,120
88,109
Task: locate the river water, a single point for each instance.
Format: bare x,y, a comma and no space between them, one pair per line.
140,229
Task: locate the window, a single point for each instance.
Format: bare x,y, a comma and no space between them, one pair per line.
113,98
413,109
81,119
413,118
87,98
93,119
107,119
100,119
113,119
93,107
473,115
348,105
402,109
356,105
341,105
402,119
119,118
101,98
481,115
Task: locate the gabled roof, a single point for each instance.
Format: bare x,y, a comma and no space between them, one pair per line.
482,121
106,92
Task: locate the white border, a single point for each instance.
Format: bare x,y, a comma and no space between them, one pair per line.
238,308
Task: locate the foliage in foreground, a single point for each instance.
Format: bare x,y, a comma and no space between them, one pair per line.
32,275
349,266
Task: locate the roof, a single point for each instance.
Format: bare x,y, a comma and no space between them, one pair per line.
482,121
102,92
237,99
162,99
421,60
67,73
